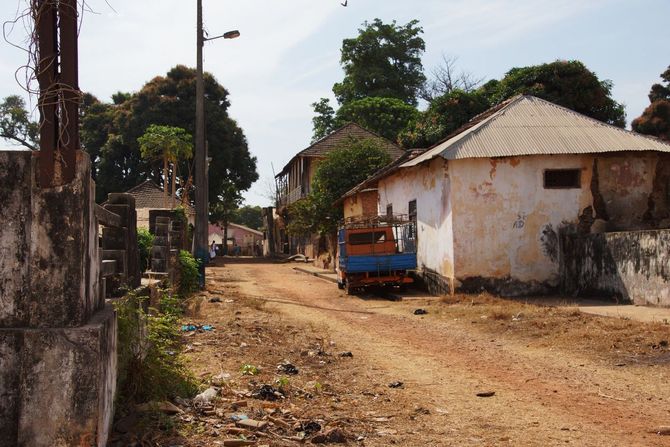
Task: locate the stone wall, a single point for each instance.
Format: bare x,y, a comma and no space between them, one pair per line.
631,266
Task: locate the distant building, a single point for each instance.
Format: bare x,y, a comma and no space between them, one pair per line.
249,241
294,182
149,196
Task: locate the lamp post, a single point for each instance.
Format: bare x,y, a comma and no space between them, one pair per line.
201,178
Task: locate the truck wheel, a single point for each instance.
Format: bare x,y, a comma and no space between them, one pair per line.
348,288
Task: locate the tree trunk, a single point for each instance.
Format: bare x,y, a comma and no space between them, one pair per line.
165,182
174,183
225,237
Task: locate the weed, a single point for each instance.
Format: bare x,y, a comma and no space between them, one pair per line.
150,363
145,240
283,382
249,370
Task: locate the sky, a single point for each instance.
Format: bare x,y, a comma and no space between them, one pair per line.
288,54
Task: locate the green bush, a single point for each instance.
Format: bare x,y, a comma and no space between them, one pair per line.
188,273
151,368
145,240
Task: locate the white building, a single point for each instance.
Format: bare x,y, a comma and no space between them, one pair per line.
491,199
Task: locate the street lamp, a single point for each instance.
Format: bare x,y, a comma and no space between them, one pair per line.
201,180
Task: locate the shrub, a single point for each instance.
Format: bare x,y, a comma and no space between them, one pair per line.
145,240
188,273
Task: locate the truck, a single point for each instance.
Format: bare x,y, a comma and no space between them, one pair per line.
375,251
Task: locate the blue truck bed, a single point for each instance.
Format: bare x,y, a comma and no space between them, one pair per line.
377,263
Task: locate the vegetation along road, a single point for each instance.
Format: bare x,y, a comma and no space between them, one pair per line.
544,375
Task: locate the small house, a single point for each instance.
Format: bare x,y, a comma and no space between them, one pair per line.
492,200
149,196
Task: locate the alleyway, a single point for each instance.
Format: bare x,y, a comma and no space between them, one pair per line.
544,394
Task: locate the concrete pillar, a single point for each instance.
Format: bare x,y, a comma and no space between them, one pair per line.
57,336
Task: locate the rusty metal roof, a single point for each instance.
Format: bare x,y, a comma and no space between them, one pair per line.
322,147
526,125
149,195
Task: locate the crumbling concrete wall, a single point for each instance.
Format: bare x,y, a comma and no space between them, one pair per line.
631,266
506,222
491,223
57,337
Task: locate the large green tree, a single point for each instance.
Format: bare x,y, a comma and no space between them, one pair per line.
655,120
250,216
168,100
15,123
444,115
566,83
385,116
383,60
342,169
383,76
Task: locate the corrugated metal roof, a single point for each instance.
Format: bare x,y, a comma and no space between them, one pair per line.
527,125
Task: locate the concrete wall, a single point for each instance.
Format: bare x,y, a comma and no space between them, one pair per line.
506,222
57,338
430,184
143,217
629,266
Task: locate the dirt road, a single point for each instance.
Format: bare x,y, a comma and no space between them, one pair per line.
544,394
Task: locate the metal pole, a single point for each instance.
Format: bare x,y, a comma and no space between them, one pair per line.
201,187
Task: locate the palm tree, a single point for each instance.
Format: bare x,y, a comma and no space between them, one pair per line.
169,144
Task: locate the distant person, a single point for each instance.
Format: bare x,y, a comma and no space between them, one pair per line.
212,250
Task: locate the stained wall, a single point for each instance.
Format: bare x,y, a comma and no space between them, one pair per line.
430,184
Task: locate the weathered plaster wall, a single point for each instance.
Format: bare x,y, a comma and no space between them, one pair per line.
430,185
634,189
504,231
57,338
630,266
362,204
506,222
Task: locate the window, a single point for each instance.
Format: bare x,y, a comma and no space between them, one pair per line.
372,237
562,178
411,210
389,210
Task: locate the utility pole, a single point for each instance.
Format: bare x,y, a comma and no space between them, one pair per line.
201,248
201,186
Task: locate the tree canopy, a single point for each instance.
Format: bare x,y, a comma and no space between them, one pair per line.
445,114
112,131
249,216
15,123
566,83
385,116
655,120
169,144
383,76
342,169
383,60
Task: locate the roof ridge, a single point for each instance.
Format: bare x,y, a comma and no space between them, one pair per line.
601,123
